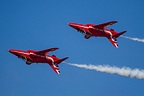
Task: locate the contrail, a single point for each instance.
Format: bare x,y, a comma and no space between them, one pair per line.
124,71
134,39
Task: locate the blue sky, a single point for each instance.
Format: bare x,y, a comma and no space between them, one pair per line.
40,24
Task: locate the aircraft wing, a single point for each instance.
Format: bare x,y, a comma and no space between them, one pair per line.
101,26
114,42
55,68
43,52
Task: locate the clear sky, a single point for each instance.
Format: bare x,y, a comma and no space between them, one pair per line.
41,24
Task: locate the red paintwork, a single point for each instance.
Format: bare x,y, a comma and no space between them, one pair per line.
33,56
90,30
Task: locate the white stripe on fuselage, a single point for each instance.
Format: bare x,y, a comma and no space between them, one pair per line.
30,54
51,60
21,52
86,26
110,35
92,28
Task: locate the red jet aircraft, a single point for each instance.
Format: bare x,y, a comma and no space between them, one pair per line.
89,30
33,56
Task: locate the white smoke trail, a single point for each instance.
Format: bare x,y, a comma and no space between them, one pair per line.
134,39
124,71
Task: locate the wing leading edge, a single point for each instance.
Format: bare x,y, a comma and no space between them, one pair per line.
43,52
101,26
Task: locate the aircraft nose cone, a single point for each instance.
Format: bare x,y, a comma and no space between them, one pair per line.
71,24
12,51
74,25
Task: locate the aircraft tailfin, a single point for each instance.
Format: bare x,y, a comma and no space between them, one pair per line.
61,60
118,34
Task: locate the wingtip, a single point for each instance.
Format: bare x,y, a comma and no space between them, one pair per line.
124,31
116,45
58,72
56,48
114,21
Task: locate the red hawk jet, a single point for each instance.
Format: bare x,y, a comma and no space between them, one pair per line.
89,30
33,56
